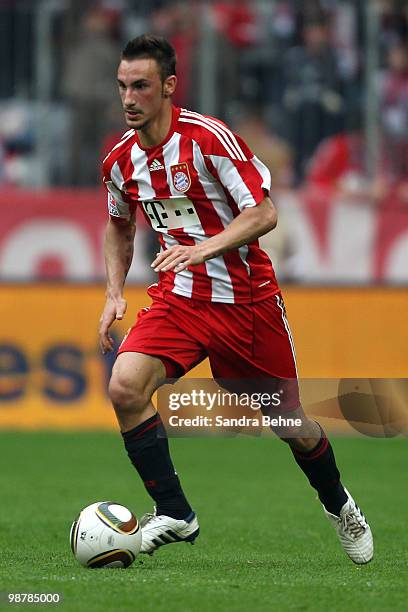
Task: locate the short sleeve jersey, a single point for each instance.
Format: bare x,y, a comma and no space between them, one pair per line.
190,187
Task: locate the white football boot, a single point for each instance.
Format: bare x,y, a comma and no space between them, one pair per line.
353,531
158,530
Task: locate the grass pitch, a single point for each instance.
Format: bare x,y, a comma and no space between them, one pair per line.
264,545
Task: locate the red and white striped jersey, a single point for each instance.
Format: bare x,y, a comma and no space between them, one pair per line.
190,187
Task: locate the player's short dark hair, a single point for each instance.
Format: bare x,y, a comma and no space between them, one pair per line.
155,47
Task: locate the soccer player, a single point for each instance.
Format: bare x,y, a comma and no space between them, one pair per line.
207,196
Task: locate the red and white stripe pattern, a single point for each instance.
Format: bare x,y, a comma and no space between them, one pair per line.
281,306
220,131
223,178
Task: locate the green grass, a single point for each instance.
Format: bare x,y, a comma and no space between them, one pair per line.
264,543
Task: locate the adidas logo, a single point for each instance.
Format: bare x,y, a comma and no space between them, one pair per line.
156,165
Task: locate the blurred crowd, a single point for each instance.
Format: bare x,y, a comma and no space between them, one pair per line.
289,76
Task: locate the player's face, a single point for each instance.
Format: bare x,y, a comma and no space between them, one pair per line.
142,91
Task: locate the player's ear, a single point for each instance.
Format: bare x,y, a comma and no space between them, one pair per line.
169,86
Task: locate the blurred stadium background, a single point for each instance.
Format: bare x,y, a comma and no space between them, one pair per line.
318,89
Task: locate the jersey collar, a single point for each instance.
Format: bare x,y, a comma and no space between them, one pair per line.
174,121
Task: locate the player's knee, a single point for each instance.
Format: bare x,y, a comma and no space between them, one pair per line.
127,397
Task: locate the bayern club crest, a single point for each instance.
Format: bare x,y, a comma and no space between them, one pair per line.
181,177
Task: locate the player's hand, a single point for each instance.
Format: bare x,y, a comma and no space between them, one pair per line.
178,258
114,310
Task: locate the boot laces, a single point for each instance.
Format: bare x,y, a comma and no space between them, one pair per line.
353,523
149,517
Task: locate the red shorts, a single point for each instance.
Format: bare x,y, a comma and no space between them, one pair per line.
242,341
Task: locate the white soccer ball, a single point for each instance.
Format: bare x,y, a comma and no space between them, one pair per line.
106,534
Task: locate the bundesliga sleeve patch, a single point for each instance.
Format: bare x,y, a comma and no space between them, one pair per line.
181,177
112,206
117,207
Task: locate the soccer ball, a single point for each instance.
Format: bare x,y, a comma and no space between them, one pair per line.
105,534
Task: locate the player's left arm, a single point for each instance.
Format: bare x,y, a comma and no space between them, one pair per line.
250,224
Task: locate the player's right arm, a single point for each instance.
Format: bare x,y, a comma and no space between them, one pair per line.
118,249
